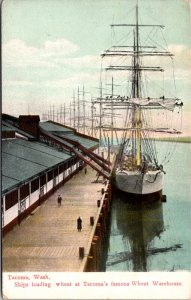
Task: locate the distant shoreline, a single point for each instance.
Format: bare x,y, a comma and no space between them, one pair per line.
185,139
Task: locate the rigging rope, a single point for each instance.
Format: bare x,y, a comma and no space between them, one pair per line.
174,76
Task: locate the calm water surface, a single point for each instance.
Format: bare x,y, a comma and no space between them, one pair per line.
155,236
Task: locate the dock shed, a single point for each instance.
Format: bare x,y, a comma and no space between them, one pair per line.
31,168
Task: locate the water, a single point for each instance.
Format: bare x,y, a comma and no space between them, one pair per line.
155,236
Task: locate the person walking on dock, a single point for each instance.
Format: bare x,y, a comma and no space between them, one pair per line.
59,199
79,224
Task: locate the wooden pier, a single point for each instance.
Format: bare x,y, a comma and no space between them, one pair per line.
48,240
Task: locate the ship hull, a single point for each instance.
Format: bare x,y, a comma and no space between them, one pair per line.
139,183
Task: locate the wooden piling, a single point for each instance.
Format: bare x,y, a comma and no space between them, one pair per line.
99,231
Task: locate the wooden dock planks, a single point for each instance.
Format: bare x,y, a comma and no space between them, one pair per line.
48,240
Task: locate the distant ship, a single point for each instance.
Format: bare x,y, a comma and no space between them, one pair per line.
137,169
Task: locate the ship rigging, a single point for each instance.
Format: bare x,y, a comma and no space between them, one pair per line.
138,170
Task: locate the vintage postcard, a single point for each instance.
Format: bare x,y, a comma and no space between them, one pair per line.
95,151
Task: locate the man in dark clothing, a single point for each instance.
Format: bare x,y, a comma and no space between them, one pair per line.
79,224
59,200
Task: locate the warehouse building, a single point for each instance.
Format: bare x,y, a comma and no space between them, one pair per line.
33,166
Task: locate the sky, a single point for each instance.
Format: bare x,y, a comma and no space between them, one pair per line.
50,47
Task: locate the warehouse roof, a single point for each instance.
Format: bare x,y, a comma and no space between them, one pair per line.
88,143
8,182
52,127
6,128
22,160
69,133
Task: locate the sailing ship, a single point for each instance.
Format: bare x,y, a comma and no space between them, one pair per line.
137,168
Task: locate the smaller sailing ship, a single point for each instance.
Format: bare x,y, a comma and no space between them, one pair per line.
137,169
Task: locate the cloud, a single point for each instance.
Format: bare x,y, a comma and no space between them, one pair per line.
53,54
181,59
60,47
86,61
17,53
60,70
8,83
182,56
178,66
74,80
182,62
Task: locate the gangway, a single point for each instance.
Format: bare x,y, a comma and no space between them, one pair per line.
75,147
101,161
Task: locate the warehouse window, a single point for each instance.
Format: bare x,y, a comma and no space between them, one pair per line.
11,199
65,166
42,180
55,172
61,169
34,185
75,160
24,191
50,175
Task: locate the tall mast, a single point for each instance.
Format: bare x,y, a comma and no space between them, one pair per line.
112,109
50,115
134,96
137,55
137,93
60,113
112,113
74,111
135,103
64,114
84,112
70,114
53,112
78,124
100,114
92,117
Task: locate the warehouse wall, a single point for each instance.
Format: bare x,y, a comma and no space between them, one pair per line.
14,213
